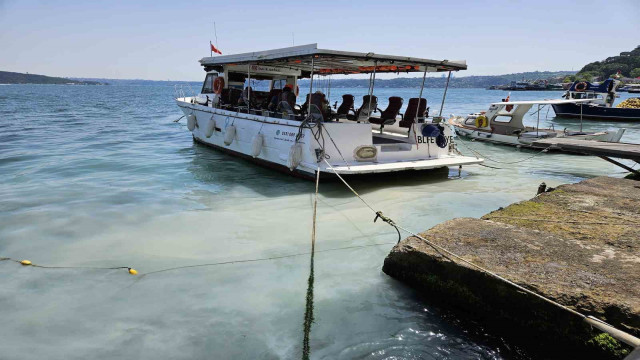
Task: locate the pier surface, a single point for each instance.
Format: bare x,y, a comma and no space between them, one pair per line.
578,245
590,147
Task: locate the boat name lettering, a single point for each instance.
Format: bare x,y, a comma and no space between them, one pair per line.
431,140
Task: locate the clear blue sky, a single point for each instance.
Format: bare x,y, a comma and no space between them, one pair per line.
163,40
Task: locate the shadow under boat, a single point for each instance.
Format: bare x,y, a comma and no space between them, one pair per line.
214,167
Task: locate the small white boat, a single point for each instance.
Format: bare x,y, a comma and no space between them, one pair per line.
270,127
503,124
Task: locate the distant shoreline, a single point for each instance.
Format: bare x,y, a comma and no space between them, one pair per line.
470,82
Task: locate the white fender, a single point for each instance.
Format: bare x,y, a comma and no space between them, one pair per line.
256,146
295,156
211,127
229,135
191,122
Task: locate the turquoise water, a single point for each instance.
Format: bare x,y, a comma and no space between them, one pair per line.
100,176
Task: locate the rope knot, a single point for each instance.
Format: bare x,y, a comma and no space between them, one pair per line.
386,219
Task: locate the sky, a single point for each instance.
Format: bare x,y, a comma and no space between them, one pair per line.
163,40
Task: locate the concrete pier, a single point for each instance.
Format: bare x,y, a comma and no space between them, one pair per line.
578,245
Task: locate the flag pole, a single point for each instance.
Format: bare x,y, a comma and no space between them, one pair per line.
210,49
215,33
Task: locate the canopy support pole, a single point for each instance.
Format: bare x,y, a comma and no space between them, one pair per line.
424,76
371,85
581,117
249,88
310,87
445,94
538,123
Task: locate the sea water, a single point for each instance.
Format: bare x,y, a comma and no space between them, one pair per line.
101,176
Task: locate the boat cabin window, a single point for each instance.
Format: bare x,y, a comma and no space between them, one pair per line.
503,119
278,83
236,80
207,87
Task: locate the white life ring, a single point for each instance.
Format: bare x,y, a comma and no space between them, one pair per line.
256,146
229,135
192,122
211,127
295,156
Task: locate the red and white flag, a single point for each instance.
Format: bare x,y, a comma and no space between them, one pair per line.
215,49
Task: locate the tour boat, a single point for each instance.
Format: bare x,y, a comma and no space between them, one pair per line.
503,124
600,107
301,135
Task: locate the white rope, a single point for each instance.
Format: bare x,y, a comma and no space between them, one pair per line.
442,251
477,153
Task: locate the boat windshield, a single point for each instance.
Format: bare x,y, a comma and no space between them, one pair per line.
207,86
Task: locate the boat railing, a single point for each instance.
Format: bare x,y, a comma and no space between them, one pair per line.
181,91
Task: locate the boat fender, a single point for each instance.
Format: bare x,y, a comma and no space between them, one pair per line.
218,85
256,145
229,135
481,121
295,156
211,127
192,122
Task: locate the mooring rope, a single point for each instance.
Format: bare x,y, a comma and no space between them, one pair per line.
564,221
202,265
131,270
477,153
308,313
450,255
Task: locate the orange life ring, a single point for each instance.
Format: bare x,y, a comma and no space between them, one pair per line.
581,86
218,85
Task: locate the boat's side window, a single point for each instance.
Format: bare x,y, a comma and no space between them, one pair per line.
279,83
502,119
207,87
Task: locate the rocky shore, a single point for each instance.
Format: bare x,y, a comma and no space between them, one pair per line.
578,245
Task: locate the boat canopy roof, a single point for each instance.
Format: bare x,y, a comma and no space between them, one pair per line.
326,62
543,102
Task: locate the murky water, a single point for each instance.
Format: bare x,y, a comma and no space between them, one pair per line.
102,177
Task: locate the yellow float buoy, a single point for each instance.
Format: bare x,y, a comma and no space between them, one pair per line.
25,262
133,271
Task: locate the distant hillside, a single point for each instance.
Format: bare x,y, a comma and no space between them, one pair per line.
140,82
456,82
628,63
7,77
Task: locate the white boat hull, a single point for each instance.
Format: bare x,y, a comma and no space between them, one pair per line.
279,136
484,134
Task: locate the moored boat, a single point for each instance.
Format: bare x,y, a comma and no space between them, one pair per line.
600,107
271,128
503,124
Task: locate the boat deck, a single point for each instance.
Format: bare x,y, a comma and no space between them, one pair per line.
433,163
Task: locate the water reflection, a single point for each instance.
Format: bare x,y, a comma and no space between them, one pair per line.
223,171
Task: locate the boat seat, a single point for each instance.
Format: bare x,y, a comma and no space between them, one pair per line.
388,116
346,106
320,106
305,106
417,111
365,111
273,93
230,96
